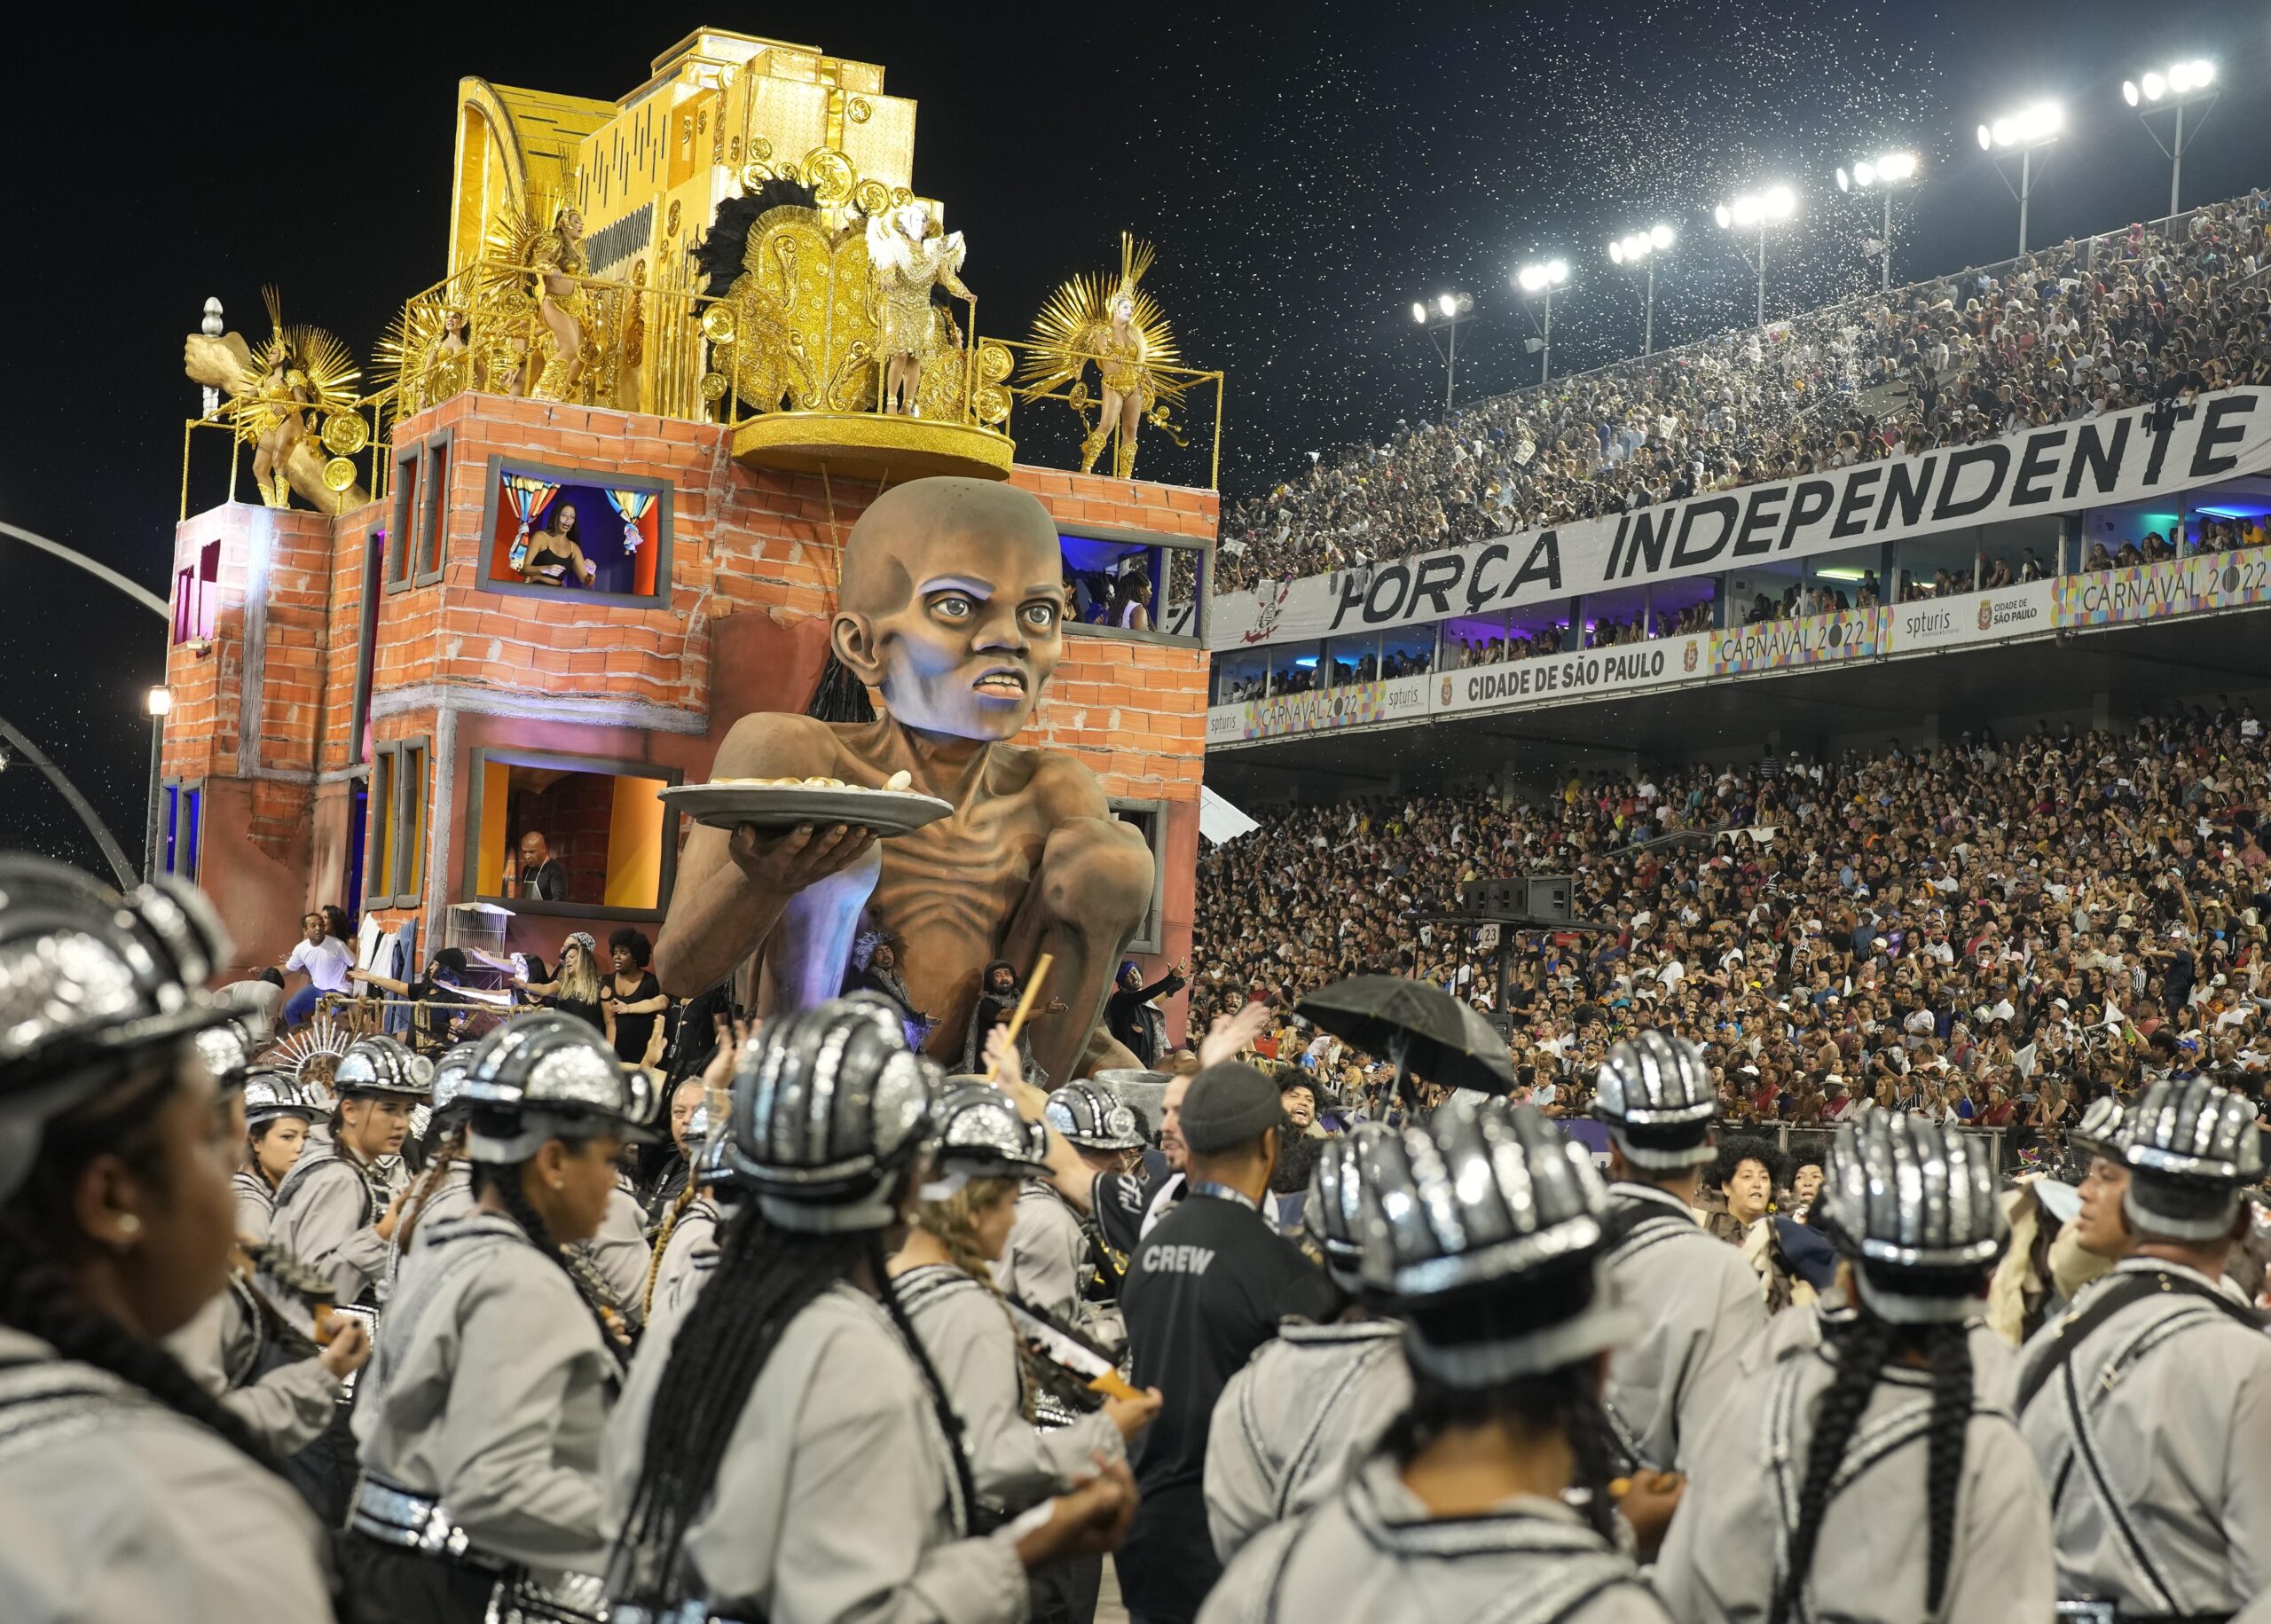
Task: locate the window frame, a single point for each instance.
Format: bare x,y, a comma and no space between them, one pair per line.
403,509
177,793
469,879
666,523
1151,937
430,549
1122,533
400,816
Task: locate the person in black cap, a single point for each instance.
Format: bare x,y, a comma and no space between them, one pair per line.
1205,1287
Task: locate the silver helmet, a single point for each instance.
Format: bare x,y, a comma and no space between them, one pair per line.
269,1095
831,1106
89,978
226,1050
544,1076
450,1072
2099,1127
2191,1147
1914,1204
1483,1231
712,1139
1332,1213
1655,1096
380,1066
1092,1117
979,1135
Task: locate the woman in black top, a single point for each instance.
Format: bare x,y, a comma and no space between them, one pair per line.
631,997
553,554
437,1028
575,990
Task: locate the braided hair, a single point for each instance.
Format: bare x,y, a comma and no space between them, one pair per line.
950,1222
503,1179
38,1294
1566,1400
1865,1345
765,1276
683,1200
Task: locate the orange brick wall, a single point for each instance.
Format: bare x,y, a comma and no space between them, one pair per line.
754,553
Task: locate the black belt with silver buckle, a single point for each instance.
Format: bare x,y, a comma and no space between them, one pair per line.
410,1521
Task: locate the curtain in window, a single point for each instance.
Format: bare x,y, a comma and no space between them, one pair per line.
633,505
529,496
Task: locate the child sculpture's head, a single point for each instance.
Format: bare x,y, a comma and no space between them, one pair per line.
952,604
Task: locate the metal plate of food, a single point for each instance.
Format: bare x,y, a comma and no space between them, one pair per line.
784,802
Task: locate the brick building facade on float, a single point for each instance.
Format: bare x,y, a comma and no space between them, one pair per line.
355,697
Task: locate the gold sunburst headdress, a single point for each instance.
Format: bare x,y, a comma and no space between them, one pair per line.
319,370
1075,321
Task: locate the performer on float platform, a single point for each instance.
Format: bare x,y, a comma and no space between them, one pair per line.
1655,1096
1313,1402
479,1419
1864,1468
784,1451
126,1492
2149,1404
1489,1497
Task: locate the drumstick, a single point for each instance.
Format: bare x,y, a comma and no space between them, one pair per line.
1017,1020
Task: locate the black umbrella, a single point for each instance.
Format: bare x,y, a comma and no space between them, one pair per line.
1423,1030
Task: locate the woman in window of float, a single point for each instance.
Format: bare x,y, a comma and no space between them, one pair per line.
554,552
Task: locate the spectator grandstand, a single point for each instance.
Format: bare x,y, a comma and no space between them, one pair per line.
2132,317
1994,931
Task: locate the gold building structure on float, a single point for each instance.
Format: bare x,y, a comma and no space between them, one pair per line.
587,512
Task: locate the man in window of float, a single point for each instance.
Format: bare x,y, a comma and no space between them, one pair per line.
952,604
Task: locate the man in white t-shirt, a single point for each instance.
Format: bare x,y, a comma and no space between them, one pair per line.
324,960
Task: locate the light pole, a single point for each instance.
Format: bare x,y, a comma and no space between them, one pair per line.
158,701
1641,249
2030,131
1445,316
1760,210
1539,281
2183,85
1892,170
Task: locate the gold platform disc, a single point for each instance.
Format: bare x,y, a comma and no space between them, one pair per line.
869,445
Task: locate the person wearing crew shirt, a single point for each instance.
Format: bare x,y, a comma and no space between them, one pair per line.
1205,1287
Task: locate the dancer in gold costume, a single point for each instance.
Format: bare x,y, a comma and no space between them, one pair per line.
1118,327
908,262
556,257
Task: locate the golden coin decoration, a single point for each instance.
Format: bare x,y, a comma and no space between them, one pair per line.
871,197
858,110
717,324
713,386
990,404
344,434
994,363
338,474
831,175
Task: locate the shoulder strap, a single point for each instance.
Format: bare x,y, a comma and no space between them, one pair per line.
1634,1224
2107,1300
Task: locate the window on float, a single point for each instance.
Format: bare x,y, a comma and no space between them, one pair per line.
1152,587
575,533
394,853
603,821
197,594
1149,820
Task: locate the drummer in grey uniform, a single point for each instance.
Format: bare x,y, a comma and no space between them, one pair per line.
2149,1404
126,1492
1864,1467
1656,1099
690,1230
783,1450
335,1210
1316,1399
443,1187
480,1418
1489,1495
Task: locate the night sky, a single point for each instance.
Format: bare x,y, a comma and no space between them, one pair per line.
1306,170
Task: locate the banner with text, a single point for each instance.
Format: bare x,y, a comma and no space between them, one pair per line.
1974,617
2123,457
1787,645
1588,674
1355,704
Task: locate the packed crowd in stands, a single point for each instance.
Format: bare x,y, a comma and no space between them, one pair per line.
2090,326
1994,931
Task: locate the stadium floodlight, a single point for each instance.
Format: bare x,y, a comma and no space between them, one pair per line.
1758,210
2027,131
1445,313
1538,279
1881,175
1640,248
2182,85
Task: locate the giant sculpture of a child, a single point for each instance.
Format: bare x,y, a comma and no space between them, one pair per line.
952,603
